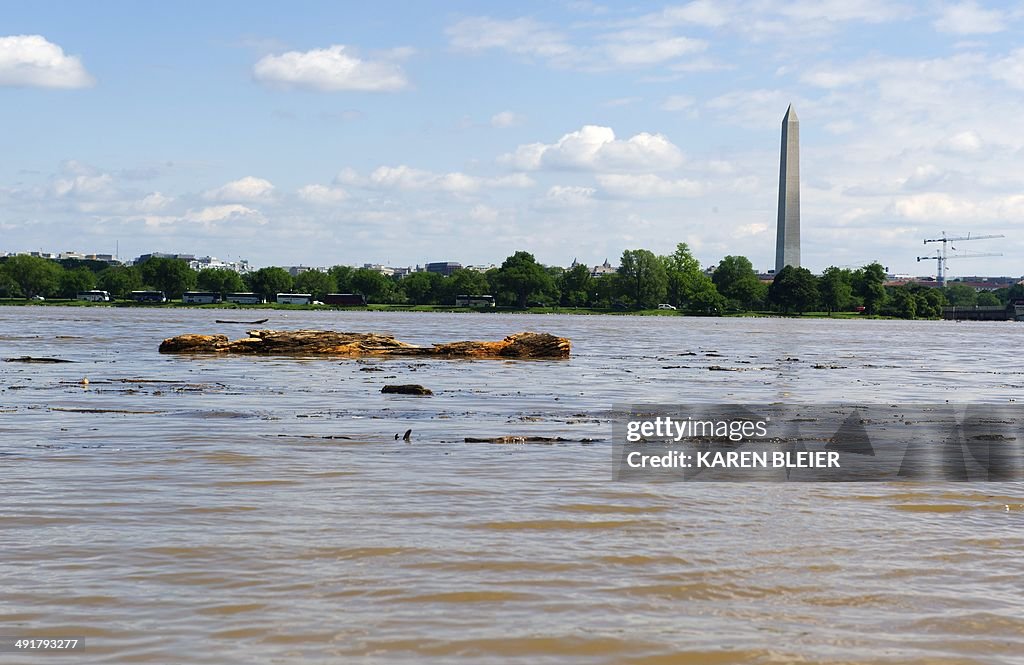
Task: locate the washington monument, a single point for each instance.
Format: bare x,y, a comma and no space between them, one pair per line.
787,240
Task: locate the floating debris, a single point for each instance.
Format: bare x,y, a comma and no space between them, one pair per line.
406,389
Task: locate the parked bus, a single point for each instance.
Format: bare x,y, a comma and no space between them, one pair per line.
294,298
94,296
200,297
346,299
149,296
474,301
244,298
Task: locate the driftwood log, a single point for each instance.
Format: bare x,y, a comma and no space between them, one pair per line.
329,342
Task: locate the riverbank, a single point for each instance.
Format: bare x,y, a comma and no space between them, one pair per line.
19,302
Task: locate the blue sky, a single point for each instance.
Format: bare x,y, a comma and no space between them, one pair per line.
408,132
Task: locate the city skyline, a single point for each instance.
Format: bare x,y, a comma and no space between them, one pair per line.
354,134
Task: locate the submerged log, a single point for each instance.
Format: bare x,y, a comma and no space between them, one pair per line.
329,342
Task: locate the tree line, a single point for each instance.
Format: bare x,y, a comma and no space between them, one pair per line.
643,281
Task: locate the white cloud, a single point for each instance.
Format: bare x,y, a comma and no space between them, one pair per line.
322,195
677,103
211,215
248,188
407,178
753,108
967,142
85,186
32,61
647,185
700,12
968,18
754,229
630,48
153,202
621,101
332,69
1010,69
523,36
507,119
483,214
623,47
595,148
569,196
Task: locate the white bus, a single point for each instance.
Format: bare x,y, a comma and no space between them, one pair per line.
294,298
94,296
474,301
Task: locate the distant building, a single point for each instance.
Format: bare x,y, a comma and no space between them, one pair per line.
295,271
160,255
387,271
199,263
240,266
444,267
605,268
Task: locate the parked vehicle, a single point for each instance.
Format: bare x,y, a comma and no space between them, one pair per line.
294,298
474,301
345,299
665,305
200,298
149,297
244,298
94,296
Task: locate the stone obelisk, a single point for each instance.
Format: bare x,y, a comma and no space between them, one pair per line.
787,240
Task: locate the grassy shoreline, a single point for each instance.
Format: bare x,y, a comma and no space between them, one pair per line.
18,302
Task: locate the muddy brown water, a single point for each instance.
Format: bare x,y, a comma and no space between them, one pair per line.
259,510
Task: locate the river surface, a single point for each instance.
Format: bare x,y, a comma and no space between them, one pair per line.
248,510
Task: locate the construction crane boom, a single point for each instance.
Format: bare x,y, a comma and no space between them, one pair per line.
941,256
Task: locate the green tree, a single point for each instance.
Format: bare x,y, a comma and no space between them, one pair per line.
342,276
8,287
376,287
73,282
219,280
268,282
120,281
929,301
901,303
835,286
316,283
521,276
424,288
680,268
574,286
794,290
172,276
736,280
33,275
463,282
988,299
643,278
868,283
961,295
